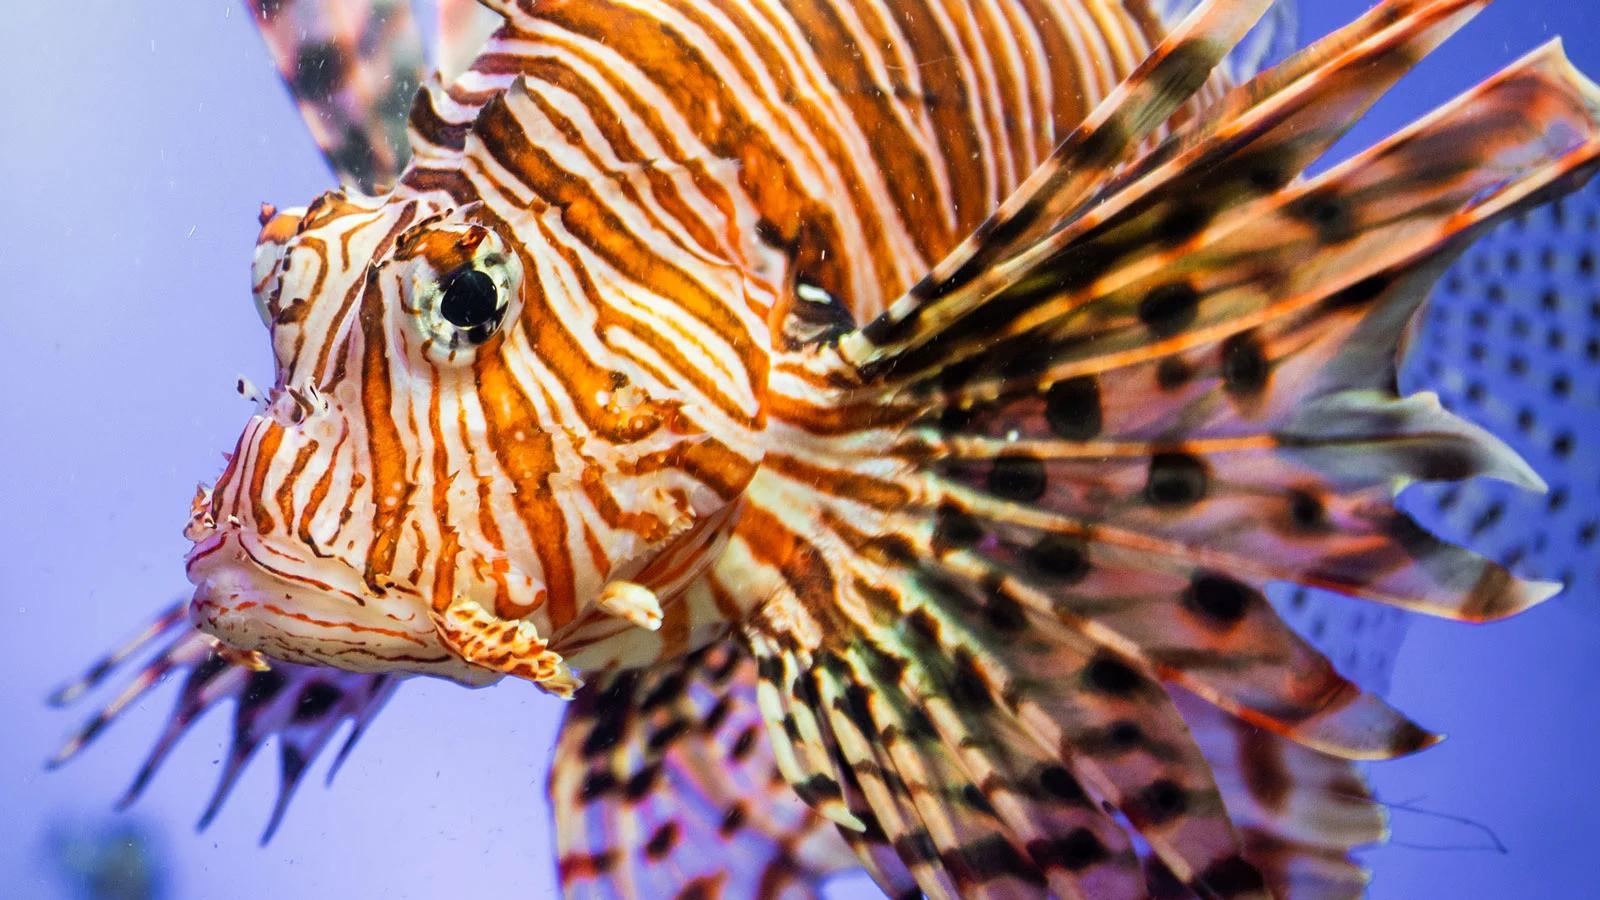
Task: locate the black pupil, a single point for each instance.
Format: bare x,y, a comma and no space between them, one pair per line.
470,299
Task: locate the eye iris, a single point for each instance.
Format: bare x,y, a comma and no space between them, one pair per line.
471,300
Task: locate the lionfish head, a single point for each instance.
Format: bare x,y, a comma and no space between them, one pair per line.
433,466
308,546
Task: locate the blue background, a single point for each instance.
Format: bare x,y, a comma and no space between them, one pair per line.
136,147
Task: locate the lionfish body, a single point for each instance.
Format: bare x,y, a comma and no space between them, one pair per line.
971,595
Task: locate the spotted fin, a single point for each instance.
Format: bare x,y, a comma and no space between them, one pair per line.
1300,813
353,69
663,785
303,706
1028,644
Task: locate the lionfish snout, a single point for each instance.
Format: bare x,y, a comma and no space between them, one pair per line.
276,563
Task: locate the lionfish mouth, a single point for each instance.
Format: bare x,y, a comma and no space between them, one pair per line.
255,593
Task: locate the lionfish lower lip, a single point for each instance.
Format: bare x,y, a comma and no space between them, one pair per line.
284,563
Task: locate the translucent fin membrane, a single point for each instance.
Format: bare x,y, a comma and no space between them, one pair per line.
302,706
1040,655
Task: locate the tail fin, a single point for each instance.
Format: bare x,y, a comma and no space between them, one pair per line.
1018,632
304,706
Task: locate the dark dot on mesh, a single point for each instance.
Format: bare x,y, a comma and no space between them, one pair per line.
1244,365
1170,308
1586,262
1489,518
1497,295
1072,408
1561,385
1554,339
1175,479
1517,365
1513,261
1520,326
1059,783
1219,598
1173,373
1476,392
317,698
1557,499
1591,349
1018,478
1477,351
1058,557
955,527
1159,803
1562,445
1515,556
1550,300
1480,264
1107,674
1547,259
1525,420
1586,533
1479,319
1594,309
1454,284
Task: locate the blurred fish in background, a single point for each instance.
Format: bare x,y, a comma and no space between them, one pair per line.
108,858
1510,340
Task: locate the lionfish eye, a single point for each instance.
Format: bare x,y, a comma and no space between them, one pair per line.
471,301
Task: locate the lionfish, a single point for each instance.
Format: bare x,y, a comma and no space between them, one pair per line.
883,420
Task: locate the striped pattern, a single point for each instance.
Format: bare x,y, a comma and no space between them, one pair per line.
582,395
659,204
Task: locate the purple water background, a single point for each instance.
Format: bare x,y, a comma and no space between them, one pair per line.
137,141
